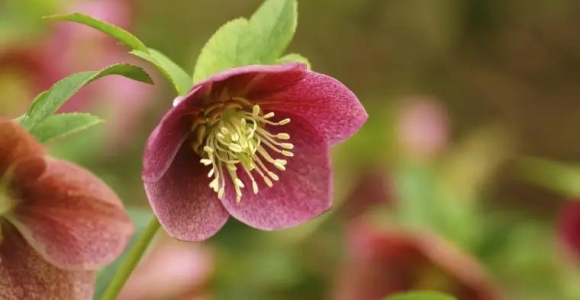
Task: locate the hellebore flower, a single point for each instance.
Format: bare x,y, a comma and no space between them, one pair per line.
385,263
569,228
58,222
423,127
252,142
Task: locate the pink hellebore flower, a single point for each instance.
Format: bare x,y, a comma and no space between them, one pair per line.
58,222
251,142
423,127
385,263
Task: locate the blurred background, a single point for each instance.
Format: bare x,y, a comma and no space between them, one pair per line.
463,180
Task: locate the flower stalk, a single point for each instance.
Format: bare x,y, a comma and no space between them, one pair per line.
133,258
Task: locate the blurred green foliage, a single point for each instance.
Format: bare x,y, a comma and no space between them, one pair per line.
507,73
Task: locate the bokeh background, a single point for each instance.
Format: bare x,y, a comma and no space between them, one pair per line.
463,180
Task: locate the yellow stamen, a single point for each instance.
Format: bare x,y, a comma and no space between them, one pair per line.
232,135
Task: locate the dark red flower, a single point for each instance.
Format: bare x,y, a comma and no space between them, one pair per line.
251,142
389,262
58,222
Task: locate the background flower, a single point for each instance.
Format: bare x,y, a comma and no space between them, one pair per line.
61,220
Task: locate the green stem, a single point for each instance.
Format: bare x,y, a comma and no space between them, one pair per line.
133,258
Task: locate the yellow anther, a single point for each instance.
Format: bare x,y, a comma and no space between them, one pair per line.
283,136
232,138
274,176
236,148
268,182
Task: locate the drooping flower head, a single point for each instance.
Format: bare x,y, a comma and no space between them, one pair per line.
251,142
58,222
382,263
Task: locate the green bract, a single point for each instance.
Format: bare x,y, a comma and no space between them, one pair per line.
261,40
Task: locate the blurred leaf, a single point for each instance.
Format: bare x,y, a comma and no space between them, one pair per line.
223,50
421,296
240,42
294,57
62,125
174,73
47,103
140,218
558,177
273,26
117,33
415,187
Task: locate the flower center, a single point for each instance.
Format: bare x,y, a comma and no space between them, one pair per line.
231,135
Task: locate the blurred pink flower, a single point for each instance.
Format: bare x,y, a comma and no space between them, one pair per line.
423,127
33,66
569,228
373,187
58,222
237,125
382,263
173,270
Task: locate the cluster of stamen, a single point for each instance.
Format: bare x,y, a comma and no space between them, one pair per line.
231,135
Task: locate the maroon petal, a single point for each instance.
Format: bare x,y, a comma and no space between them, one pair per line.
186,206
16,144
166,139
303,192
333,110
26,275
258,81
72,218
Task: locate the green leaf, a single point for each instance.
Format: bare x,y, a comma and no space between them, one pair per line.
140,218
224,50
293,57
261,40
179,78
117,33
273,26
58,126
421,296
47,103
174,73
558,177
